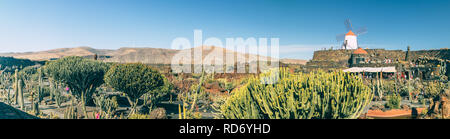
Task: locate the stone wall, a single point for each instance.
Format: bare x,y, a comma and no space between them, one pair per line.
332,55
440,53
340,58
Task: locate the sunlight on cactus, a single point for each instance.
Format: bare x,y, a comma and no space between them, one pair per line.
318,95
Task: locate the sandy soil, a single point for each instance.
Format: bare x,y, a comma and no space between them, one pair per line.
391,113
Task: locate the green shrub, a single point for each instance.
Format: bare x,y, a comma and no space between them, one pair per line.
388,86
157,95
393,101
317,95
134,80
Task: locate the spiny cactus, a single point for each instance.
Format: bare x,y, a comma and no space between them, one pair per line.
197,91
317,95
16,83
35,108
55,92
394,101
107,106
71,111
5,83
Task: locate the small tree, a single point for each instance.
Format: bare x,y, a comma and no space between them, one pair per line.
134,80
82,76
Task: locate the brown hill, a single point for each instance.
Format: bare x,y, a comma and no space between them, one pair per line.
58,53
293,61
145,55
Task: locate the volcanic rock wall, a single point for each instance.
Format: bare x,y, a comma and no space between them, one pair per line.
340,58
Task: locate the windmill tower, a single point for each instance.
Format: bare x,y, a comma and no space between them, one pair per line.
350,38
350,41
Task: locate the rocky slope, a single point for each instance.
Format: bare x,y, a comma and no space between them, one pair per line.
146,55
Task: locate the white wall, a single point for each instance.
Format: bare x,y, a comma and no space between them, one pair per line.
352,42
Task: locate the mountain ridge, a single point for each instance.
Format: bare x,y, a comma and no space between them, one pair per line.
141,54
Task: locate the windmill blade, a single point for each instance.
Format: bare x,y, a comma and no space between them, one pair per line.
348,24
361,31
340,37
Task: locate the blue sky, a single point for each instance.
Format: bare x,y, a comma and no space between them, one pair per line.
302,25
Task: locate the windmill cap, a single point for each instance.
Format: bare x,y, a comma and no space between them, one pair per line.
350,33
360,51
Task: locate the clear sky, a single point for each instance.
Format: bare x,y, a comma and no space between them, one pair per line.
302,25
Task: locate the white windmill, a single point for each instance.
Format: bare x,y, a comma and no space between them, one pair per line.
350,38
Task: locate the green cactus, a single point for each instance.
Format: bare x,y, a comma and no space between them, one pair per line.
71,111
16,91
197,91
55,92
394,101
5,83
107,106
20,94
134,80
317,95
81,75
35,108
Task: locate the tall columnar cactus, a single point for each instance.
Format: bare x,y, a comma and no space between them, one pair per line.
81,75
70,113
40,82
55,93
317,95
20,94
197,91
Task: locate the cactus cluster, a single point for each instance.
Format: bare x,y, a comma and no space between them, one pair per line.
71,111
107,106
134,80
317,95
55,93
190,99
393,101
5,86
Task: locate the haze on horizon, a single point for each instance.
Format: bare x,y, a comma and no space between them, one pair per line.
302,25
